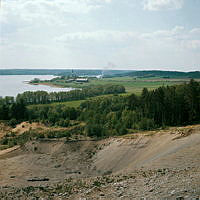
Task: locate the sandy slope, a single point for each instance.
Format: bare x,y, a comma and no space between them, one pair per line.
176,150
157,151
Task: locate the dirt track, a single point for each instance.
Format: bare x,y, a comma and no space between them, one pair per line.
161,164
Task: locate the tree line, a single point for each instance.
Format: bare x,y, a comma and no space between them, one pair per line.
42,97
165,106
15,109
117,114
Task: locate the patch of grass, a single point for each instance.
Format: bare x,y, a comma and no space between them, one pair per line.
68,103
97,183
2,147
71,103
57,134
132,84
130,136
11,139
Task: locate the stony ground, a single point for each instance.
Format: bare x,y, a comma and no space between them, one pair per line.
141,184
151,165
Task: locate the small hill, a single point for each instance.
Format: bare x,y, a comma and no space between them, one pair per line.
164,74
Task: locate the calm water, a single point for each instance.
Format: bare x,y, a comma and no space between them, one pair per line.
15,84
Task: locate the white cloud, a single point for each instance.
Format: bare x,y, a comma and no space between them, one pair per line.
57,33
191,44
155,5
175,46
167,34
178,37
102,35
36,21
46,10
195,31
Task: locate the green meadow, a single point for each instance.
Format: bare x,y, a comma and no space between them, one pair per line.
131,84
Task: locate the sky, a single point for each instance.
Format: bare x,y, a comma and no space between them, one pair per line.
100,34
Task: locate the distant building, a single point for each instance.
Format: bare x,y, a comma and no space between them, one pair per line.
73,74
70,80
82,80
35,80
99,76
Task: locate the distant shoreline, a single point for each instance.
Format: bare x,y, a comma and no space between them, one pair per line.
47,84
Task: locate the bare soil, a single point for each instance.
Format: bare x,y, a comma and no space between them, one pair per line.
4,129
161,164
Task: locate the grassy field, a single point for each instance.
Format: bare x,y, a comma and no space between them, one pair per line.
68,103
75,103
131,84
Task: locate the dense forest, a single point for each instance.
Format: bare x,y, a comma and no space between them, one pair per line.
42,97
115,114
165,106
164,74
11,108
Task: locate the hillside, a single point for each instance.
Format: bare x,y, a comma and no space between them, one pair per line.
150,164
106,73
164,74
79,72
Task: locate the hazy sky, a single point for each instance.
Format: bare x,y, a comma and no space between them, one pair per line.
125,34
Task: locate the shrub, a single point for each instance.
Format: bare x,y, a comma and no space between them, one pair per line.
4,141
58,134
13,122
63,123
94,130
146,124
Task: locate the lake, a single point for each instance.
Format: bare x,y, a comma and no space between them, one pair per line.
12,85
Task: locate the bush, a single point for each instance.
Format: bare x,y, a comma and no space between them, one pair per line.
4,141
94,130
146,124
58,134
40,136
12,142
122,131
63,123
13,122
